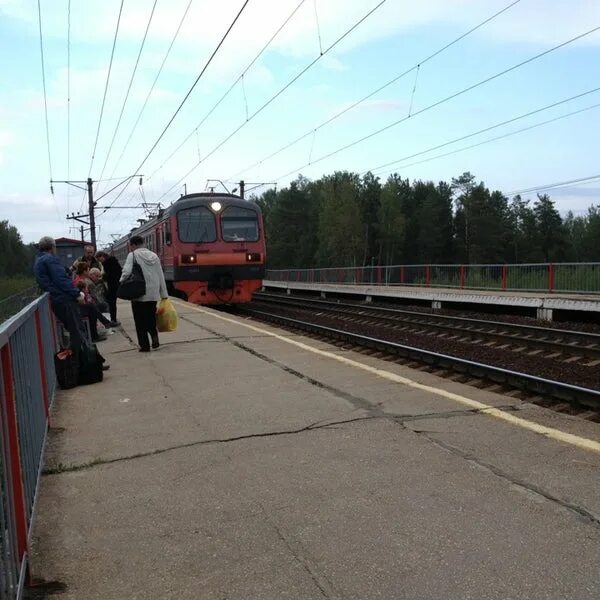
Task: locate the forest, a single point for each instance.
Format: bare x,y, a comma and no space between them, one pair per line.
16,261
344,220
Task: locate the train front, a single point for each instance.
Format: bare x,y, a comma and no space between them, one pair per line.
220,255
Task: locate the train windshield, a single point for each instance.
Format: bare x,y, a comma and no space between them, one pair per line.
196,225
239,224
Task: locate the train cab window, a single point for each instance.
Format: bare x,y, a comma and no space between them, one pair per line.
239,224
196,225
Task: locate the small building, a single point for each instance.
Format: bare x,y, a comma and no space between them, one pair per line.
68,250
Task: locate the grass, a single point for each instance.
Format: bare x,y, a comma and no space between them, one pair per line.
14,285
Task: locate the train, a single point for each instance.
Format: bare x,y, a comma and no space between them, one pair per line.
211,247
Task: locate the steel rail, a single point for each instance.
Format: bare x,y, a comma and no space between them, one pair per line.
586,343
525,381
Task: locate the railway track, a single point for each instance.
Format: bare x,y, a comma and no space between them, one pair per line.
361,327
559,344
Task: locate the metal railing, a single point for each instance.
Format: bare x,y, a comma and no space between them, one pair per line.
11,305
534,277
27,386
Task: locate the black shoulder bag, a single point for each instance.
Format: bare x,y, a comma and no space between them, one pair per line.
134,285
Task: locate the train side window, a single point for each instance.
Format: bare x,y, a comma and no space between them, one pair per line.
158,234
196,225
168,233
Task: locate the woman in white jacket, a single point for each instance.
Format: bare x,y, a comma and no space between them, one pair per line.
144,308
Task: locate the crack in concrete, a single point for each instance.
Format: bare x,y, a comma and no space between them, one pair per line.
300,555
60,468
581,512
321,424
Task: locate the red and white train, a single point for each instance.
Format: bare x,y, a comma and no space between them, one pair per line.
211,247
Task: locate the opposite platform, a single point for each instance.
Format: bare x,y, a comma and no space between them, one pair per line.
544,303
242,462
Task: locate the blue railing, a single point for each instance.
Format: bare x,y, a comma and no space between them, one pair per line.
27,387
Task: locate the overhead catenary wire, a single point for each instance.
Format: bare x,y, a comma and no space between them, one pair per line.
481,143
559,184
376,91
229,90
276,95
137,62
44,88
495,126
112,54
440,102
164,60
223,38
68,102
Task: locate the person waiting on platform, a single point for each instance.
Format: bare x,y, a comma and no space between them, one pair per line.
66,298
89,308
112,275
89,257
97,290
144,308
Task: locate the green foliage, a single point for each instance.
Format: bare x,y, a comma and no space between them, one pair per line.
347,220
16,258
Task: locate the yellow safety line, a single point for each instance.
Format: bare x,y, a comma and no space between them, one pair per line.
549,432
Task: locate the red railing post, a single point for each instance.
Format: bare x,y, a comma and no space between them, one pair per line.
42,363
427,275
550,277
14,454
402,274
504,276
462,276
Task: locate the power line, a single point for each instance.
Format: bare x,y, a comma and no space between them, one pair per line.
44,86
187,95
501,124
137,62
112,54
550,186
489,140
68,101
440,102
397,78
181,21
231,87
276,95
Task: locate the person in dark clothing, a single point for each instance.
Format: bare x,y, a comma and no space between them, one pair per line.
66,298
89,258
112,275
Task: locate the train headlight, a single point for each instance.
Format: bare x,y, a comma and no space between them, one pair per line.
216,206
253,257
188,259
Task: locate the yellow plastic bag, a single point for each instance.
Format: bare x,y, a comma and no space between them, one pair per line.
166,316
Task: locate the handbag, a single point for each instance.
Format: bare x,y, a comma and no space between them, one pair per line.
134,285
90,365
66,366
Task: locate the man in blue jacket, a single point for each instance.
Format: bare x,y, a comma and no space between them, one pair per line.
52,278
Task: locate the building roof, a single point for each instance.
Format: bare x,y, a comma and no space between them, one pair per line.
71,242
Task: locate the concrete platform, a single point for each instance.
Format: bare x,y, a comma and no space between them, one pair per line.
543,303
241,462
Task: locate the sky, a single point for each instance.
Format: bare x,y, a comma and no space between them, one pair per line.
306,74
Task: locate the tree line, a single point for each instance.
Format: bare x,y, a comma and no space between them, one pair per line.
16,258
348,220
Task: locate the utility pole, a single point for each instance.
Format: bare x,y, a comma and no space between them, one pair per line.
91,206
91,203
242,188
